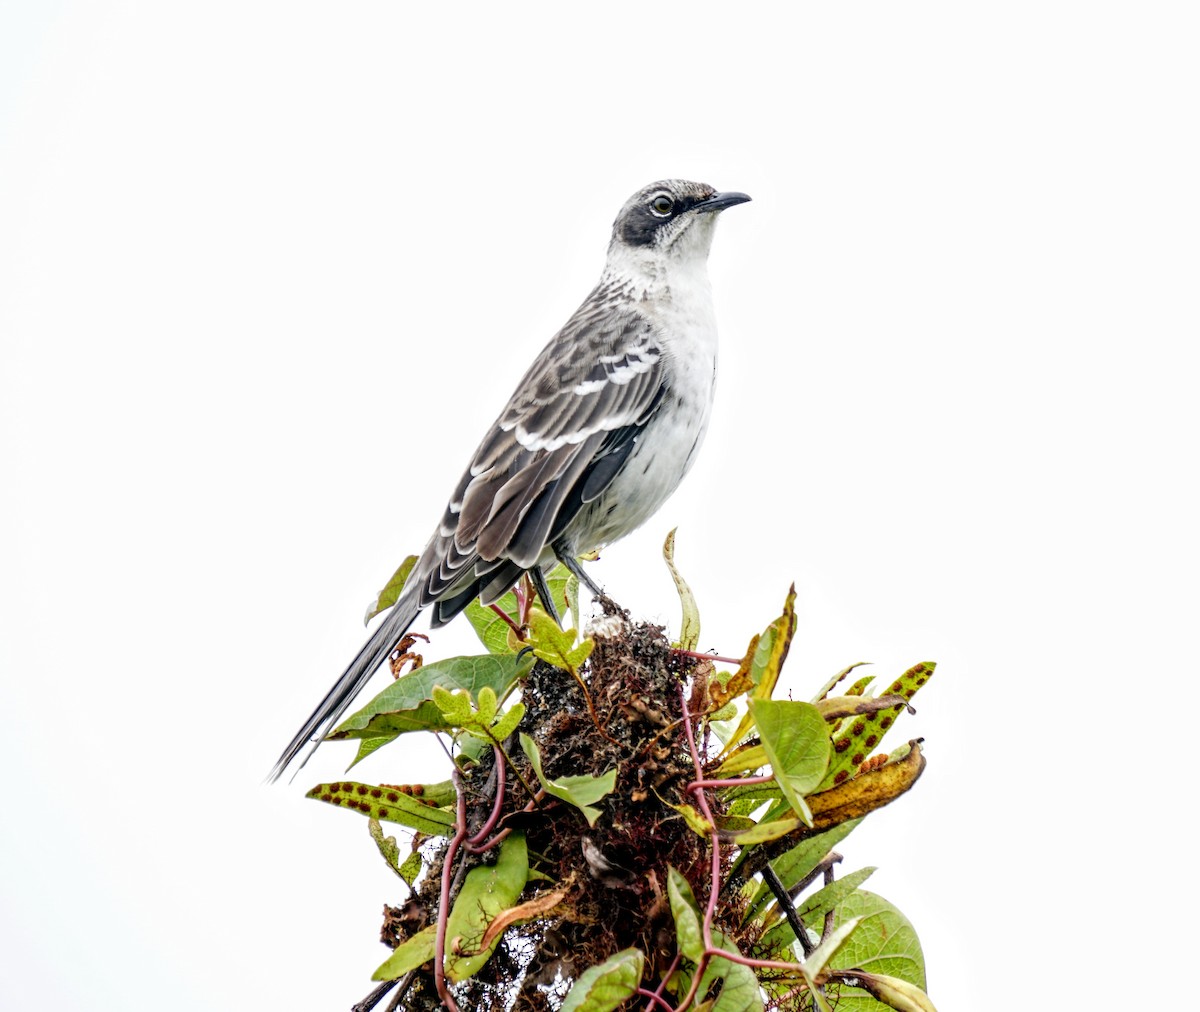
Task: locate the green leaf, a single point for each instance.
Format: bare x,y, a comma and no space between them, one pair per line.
603,988
383,728
740,992
744,760
828,687
773,648
559,581
407,704
391,593
857,737
368,745
828,948
571,593
689,626
494,633
408,955
556,646
812,909
752,800
765,660
697,823
764,831
455,706
508,721
387,845
892,992
686,912
412,867
480,721
815,907
884,941
793,866
486,891
388,804
797,743
581,791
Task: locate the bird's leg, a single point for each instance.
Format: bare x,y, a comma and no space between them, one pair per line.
578,571
539,584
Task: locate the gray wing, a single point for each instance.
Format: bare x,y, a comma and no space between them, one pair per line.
555,447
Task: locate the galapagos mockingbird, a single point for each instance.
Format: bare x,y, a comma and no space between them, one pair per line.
599,432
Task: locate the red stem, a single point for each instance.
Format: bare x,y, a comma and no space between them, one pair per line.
767,964
439,947
697,785
508,620
655,999
482,847
696,655
714,887
501,773
663,983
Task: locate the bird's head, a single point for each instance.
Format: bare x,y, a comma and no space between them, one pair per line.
671,220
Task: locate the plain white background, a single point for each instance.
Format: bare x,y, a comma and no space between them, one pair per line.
267,270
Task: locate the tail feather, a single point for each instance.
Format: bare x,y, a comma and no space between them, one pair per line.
338,699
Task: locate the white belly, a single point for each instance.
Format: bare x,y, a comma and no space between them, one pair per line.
667,448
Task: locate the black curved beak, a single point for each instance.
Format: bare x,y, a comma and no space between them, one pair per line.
719,201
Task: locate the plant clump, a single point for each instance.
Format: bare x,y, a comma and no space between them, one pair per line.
640,830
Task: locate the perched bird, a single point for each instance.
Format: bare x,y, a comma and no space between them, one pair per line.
599,432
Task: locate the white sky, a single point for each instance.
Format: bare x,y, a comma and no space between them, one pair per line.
267,270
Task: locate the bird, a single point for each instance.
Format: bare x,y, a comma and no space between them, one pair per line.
597,435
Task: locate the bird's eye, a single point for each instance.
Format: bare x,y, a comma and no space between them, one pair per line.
662,205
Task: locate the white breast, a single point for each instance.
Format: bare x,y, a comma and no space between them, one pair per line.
682,312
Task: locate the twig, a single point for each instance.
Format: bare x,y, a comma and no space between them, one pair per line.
375,997
405,984
827,927
784,900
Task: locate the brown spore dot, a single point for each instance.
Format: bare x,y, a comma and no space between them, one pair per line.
857,758
841,745
363,789
393,797
885,722
326,797
871,740
858,727
376,792
840,776
417,790
383,813
918,669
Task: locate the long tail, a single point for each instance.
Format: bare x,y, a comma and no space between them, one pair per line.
338,699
